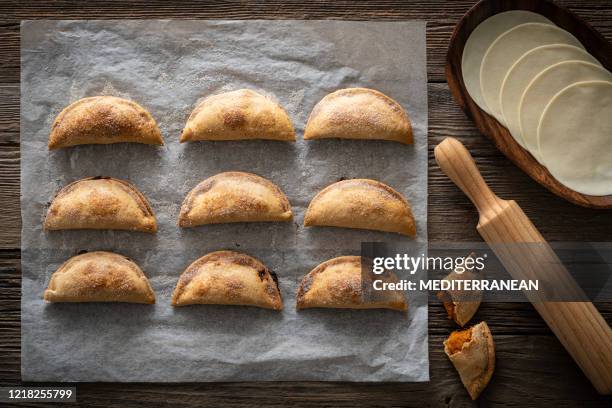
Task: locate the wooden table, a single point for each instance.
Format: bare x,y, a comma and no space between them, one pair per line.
532,367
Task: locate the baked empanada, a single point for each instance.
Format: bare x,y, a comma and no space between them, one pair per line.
103,120
238,115
361,203
472,352
228,278
359,113
338,284
461,305
99,277
234,196
100,203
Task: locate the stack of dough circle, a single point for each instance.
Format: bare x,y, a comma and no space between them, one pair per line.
546,85
479,41
574,137
509,48
525,71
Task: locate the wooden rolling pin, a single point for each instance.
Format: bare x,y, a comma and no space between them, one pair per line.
578,325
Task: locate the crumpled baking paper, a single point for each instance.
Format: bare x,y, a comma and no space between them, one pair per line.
168,66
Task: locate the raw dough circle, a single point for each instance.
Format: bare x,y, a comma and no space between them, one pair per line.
507,49
524,70
479,41
546,85
575,137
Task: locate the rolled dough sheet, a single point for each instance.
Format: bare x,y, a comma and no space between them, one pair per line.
543,87
508,48
575,135
479,41
524,70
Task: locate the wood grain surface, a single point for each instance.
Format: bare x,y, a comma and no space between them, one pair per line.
533,369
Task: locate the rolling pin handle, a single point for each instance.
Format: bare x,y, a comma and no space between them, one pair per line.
457,163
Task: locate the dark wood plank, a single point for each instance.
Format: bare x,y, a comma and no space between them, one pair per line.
441,16
529,369
594,42
533,369
9,115
520,368
10,215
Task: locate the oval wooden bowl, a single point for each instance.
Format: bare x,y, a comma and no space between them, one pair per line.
595,44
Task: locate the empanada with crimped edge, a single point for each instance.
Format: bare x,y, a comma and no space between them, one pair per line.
234,197
359,113
228,278
338,283
472,352
363,204
238,115
100,203
103,120
99,277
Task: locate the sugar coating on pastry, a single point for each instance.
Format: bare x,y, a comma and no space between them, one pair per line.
234,197
339,284
228,278
359,113
99,277
238,115
362,204
100,203
103,120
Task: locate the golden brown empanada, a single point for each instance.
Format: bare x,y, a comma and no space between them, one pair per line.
100,203
472,352
361,203
99,277
338,284
228,278
461,305
234,196
238,115
359,113
103,120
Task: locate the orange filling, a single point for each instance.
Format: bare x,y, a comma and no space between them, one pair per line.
450,309
448,304
457,339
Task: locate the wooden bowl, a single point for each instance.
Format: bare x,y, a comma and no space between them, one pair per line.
595,44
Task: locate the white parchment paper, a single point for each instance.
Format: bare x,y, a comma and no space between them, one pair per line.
167,66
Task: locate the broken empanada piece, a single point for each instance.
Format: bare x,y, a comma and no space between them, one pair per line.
99,277
103,120
359,113
238,115
338,284
234,196
461,305
361,203
100,203
472,352
228,278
